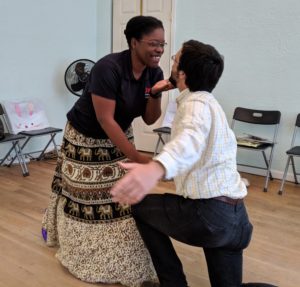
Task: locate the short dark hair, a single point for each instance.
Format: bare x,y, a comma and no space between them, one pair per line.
202,65
141,25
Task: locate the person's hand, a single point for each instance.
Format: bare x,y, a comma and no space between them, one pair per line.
162,86
137,183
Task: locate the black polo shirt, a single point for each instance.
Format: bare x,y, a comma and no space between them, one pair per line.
112,78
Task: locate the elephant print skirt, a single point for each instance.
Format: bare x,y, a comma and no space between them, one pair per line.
97,239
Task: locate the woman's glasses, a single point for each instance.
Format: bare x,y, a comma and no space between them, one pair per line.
154,44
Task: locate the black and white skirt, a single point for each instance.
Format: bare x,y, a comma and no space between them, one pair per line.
98,240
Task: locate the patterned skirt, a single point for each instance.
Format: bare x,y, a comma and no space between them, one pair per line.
98,240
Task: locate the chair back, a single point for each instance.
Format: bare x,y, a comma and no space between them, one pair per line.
298,121
1,110
260,117
297,126
3,119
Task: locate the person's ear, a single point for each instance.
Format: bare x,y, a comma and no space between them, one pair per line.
181,75
133,42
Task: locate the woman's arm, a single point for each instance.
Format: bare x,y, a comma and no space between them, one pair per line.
105,109
153,108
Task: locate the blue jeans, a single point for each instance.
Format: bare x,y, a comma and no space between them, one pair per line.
221,229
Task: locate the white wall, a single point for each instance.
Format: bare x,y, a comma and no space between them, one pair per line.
260,40
39,39
104,27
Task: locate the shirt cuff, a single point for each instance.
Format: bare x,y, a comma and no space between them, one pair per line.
168,163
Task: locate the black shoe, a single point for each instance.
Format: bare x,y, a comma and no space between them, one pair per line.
150,284
257,285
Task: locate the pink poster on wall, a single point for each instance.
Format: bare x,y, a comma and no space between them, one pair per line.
25,115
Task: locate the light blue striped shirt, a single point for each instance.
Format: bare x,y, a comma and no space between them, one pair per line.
201,155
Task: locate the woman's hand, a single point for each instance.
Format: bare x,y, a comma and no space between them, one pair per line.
162,86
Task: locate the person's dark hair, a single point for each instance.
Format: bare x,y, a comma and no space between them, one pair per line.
139,26
202,65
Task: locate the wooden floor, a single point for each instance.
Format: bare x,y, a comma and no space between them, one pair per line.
273,255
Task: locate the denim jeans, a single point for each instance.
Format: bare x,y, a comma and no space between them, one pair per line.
221,229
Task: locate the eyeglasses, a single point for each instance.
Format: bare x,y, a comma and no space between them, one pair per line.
173,58
154,44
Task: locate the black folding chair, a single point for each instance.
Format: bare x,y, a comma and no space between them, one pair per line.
15,145
161,132
271,120
51,131
35,108
294,151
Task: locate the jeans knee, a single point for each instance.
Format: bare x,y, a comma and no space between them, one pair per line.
246,235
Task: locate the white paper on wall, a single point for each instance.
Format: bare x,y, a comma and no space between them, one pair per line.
25,115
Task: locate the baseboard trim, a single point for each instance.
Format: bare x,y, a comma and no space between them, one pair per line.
275,173
15,162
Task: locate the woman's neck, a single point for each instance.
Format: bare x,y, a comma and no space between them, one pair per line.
137,66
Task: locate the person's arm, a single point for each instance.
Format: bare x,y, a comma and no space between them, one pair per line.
178,156
105,109
153,108
190,140
138,182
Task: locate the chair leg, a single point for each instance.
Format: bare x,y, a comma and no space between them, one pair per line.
160,139
21,160
55,146
18,154
269,174
267,163
294,170
8,153
284,176
43,151
22,147
156,147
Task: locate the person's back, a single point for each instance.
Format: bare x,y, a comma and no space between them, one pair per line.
214,153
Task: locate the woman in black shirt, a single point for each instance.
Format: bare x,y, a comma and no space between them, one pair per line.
98,240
